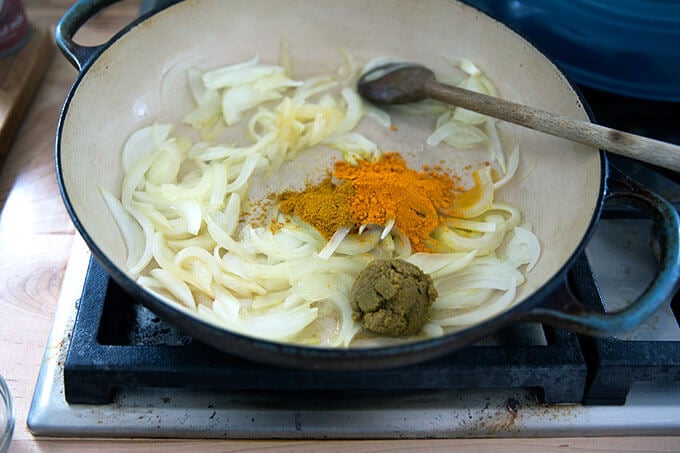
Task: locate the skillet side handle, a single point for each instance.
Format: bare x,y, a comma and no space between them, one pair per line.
565,311
76,16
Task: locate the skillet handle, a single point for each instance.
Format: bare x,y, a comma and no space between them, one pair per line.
76,16
565,311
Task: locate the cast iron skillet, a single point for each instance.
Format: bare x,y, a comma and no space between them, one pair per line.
124,85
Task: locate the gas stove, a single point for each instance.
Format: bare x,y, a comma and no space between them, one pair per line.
112,368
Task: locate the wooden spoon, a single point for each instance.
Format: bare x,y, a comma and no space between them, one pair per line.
399,83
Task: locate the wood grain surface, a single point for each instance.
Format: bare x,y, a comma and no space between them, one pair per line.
20,76
36,237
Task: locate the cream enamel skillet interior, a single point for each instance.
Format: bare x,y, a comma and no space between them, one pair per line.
137,79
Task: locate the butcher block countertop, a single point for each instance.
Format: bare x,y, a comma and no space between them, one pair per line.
37,238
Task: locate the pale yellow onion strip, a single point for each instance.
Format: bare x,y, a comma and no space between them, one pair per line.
483,182
350,70
513,164
531,242
244,174
352,145
469,67
299,268
483,244
402,244
233,76
196,253
359,244
264,242
175,286
237,282
444,118
216,73
348,327
232,212
207,100
303,232
333,242
239,99
495,148
149,232
220,152
353,112
382,117
388,227
142,142
497,276
432,330
226,302
474,281
457,134
151,211
276,82
203,241
190,211
269,299
165,168
134,178
278,325
312,87
165,258
441,264
514,218
482,313
132,233
219,188
464,299
264,120
319,285
188,189
222,238
456,266
471,225
314,134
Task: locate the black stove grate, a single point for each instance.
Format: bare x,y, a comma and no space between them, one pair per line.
117,343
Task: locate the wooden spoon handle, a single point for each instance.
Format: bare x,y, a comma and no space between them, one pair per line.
655,152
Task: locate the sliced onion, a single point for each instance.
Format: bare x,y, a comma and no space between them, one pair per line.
457,134
482,313
132,233
175,286
333,243
476,200
143,142
382,117
524,248
388,228
441,264
495,147
513,164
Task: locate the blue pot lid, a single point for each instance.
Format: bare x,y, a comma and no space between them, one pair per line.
626,47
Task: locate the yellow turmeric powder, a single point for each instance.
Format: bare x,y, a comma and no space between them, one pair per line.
375,192
324,206
387,189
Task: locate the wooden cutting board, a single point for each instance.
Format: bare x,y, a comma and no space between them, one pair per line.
20,76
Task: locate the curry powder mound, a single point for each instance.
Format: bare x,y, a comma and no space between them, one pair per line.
376,192
325,206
